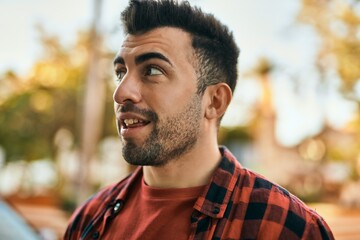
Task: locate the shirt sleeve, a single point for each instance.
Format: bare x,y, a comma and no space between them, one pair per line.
85,216
318,229
77,220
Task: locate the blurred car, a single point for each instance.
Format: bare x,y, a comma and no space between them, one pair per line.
13,226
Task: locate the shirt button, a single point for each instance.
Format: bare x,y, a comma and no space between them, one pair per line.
194,217
117,207
216,210
95,235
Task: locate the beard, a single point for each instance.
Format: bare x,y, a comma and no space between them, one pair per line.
170,138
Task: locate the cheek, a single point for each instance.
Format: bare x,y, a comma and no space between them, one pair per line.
160,99
169,104
170,97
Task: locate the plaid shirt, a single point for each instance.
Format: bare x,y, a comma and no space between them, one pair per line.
236,204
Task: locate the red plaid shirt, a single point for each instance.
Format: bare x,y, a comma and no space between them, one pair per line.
237,204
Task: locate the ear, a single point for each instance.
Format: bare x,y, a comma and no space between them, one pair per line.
219,96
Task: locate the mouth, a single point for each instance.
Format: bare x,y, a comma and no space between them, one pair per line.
128,123
134,123
133,128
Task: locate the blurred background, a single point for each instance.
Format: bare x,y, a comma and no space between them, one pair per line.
294,117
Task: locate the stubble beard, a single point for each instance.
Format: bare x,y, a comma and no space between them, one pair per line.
170,138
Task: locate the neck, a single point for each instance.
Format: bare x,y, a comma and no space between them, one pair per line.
194,168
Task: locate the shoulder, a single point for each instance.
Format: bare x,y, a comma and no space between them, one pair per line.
94,206
270,204
105,195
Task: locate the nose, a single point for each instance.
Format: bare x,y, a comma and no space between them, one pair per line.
127,90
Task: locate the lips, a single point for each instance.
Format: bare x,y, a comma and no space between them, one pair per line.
133,127
131,120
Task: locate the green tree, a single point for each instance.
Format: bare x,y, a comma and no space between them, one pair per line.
35,107
337,23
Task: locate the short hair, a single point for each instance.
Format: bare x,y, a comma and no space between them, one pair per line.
214,45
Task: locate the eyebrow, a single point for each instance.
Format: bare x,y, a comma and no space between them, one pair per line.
143,58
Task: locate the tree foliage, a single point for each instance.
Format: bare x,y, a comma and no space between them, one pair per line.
33,108
338,24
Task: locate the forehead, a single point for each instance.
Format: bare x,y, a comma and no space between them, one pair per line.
171,42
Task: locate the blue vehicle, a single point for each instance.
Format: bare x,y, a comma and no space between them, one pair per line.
13,226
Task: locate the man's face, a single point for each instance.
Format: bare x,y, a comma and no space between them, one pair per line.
157,109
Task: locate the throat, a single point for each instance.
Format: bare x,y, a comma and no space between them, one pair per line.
175,176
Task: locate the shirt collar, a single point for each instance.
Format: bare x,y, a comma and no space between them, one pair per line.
216,195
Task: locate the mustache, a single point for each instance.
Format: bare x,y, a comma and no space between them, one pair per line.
147,113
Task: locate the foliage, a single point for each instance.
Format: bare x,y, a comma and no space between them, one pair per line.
337,22
239,134
35,107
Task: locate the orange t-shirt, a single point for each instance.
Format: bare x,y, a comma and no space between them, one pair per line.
155,213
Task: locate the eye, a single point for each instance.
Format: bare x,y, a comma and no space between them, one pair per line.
153,71
120,75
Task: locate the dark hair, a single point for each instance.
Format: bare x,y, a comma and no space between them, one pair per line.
213,43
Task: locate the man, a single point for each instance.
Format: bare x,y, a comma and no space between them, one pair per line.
176,70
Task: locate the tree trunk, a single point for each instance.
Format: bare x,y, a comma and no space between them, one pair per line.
93,109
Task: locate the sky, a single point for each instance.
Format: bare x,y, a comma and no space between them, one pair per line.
262,28
257,30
